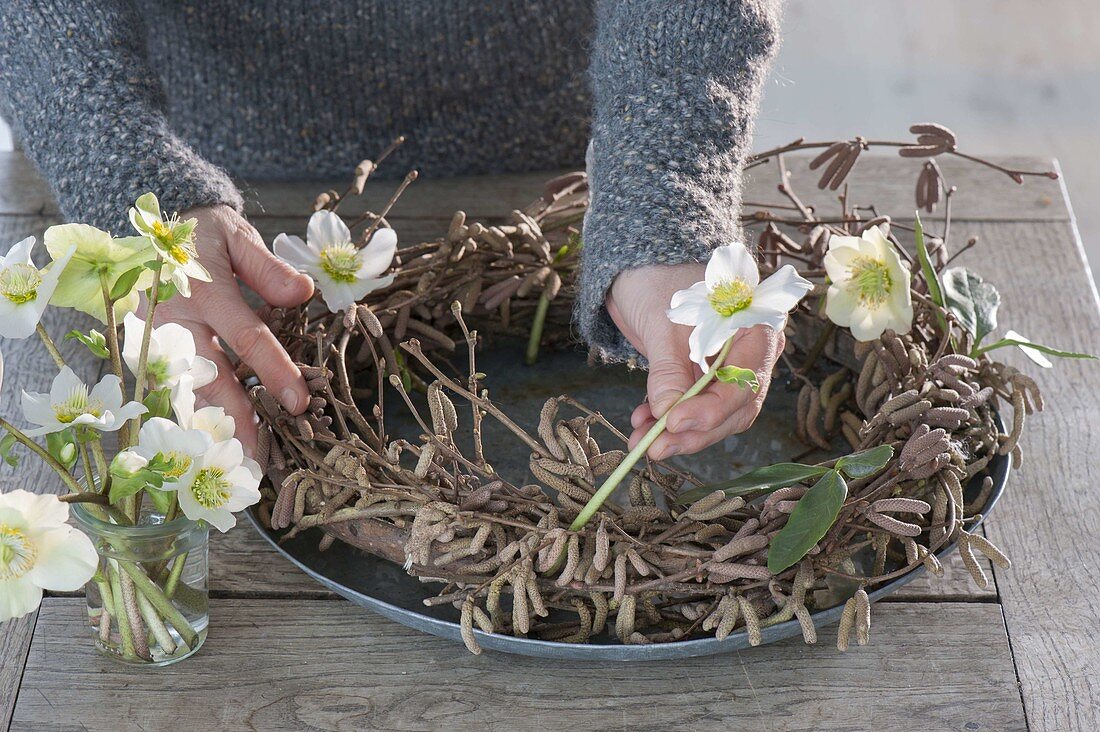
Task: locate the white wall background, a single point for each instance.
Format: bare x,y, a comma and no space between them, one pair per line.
1009,76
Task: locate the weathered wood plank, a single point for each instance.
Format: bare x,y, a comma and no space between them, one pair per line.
322,665
1047,522
15,642
878,179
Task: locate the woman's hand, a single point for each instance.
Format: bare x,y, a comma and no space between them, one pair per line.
230,248
637,303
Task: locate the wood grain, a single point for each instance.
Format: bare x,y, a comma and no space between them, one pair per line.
1047,523
884,179
15,642
315,665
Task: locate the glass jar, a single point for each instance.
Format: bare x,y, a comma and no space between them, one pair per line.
148,603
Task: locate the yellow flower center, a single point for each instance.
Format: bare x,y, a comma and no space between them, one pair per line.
17,553
180,250
76,404
870,280
341,262
210,488
19,283
730,296
178,464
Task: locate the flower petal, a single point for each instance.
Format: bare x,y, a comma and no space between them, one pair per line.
781,291
36,510
840,305
17,598
689,306
377,255
203,371
66,560
326,229
292,250
108,392
839,260
730,262
19,253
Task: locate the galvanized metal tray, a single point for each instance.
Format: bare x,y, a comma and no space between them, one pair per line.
384,587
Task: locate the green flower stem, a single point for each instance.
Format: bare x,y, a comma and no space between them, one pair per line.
174,576
108,600
156,625
163,605
50,346
37,449
124,629
147,335
640,449
101,464
89,477
536,329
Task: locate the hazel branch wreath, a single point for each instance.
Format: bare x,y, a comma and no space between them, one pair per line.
917,410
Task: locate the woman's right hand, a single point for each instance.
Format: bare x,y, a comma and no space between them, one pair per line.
230,248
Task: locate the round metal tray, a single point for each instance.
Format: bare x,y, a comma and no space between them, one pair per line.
385,588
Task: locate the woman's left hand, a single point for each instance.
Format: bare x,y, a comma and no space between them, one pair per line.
637,303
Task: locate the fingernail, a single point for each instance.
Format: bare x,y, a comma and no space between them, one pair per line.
290,399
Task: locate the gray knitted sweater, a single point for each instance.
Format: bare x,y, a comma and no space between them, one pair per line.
111,98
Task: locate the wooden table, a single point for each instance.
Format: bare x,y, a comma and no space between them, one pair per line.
283,653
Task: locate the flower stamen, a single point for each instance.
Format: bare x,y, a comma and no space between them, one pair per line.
730,296
870,281
76,404
341,262
180,249
17,553
178,464
210,489
19,283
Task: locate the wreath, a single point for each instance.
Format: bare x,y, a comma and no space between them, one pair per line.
908,419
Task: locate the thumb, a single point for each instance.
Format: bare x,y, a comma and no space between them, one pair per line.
670,375
274,280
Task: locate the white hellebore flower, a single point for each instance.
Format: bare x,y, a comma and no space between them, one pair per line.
869,285
25,290
178,447
38,551
211,420
171,354
344,272
733,297
70,404
221,481
173,239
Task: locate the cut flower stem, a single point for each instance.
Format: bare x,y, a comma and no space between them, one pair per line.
640,449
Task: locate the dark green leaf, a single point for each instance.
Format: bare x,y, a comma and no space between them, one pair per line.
125,283
126,486
62,446
738,376
812,517
94,340
166,291
865,463
770,477
973,301
6,444
935,291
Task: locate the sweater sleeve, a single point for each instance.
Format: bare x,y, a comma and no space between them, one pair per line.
676,85
89,111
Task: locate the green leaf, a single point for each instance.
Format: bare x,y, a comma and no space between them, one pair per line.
159,403
126,486
935,290
94,340
738,376
812,517
865,463
62,446
6,444
973,301
162,500
166,291
125,283
1031,350
770,477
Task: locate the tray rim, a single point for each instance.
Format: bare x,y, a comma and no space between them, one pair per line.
999,468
